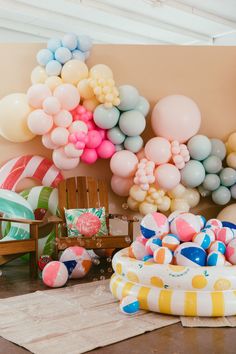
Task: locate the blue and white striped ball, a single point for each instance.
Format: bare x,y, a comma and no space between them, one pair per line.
215,259
129,305
190,254
213,224
152,244
217,246
202,221
204,238
154,224
171,241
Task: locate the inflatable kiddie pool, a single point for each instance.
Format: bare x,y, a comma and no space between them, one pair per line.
173,289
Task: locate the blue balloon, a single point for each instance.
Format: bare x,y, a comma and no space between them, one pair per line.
78,55
53,44
44,56
63,55
84,43
69,41
133,143
53,68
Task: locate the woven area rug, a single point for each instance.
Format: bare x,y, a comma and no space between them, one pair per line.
72,320
208,322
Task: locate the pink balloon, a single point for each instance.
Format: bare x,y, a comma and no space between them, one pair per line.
47,142
176,117
62,161
94,139
121,186
124,163
89,156
37,93
51,105
59,136
141,154
63,118
39,122
91,125
167,176
158,150
106,149
71,151
68,96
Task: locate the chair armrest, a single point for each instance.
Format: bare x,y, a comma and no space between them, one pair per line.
123,217
22,221
53,219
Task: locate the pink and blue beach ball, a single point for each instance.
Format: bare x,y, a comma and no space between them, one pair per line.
204,238
154,224
152,244
217,246
185,226
129,305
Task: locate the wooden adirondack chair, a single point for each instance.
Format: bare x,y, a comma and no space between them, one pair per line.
87,192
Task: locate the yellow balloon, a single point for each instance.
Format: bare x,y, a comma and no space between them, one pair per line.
101,71
228,150
132,204
231,160
146,208
177,192
14,111
192,197
137,193
231,143
85,90
91,104
165,204
38,75
53,81
180,205
73,71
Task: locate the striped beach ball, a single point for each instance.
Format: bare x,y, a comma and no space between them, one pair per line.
185,226
137,250
152,244
55,274
154,224
163,255
202,221
171,241
215,259
129,305
190,254
225,234
204,238
213,224
148,258
77,260
217,246
231,251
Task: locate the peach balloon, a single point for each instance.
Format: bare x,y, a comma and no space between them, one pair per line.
51,105
40,122
90,104
63,119
121,186
71,151
141,154
158,150
53,81
137,193
59,136
228,214
124,163
78,125
68,96
176,117
38,75
73,71
47,142
179,205
62,161
147,208
167,176
85,89
133,204
36,94
101,71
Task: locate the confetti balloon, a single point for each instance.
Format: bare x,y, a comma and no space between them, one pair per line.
77,261
154,224
170,241
190,254
231,251
55,274
215,259
185,226
163,255
129,305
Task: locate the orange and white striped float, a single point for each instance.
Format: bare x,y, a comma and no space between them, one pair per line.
176,290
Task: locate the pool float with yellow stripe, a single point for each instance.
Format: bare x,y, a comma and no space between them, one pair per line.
176,290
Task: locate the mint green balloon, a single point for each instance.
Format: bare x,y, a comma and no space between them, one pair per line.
193,174
212,164
116,136
119,147
203,192
132,123
221,196
106,118
199,147
143,106
218,148
228,177
211,182
129,97
133,143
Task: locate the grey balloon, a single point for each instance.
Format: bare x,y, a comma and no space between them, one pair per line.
228,177
129,97
116,136
199,147
133,143
221,196
203,192
218,148
212,164
193,174
106,118
132,123
143,106
211,182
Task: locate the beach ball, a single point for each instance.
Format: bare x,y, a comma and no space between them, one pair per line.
148,258
190,254
231,251
162,255
137,250
171,241
204,238
55,274
217,246
216,259
129,305
225,234
214,224
185,226
202,221
77,260
154,224
152,244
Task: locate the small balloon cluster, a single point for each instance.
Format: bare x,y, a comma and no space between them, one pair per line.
185,239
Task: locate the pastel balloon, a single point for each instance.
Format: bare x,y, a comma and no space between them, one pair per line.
38,75
53,81
212,164
44,56
63,55
199,147
218,148
121,186
193,174
39,122
137,193
89,156
231,143
71,151
228,177
124,163
228,214
231,160
59,136
84,43
63,119
36,94
192,197
133,204
143,106
90,104
73,71
106,149
211,182
167,176
158,150
133,143
51,105
221,196
62,161
14,111
78,125
179,205
141,154
85,89
129,97
101,71
233,191
176,117
53,44
53,68
78,55
106,118
147,208
116,136
47,142
68,96
132,123
94,139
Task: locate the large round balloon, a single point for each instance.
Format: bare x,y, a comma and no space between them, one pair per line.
14,111
124,163
176,117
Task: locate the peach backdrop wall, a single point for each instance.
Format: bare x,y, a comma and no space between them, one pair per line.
206,74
